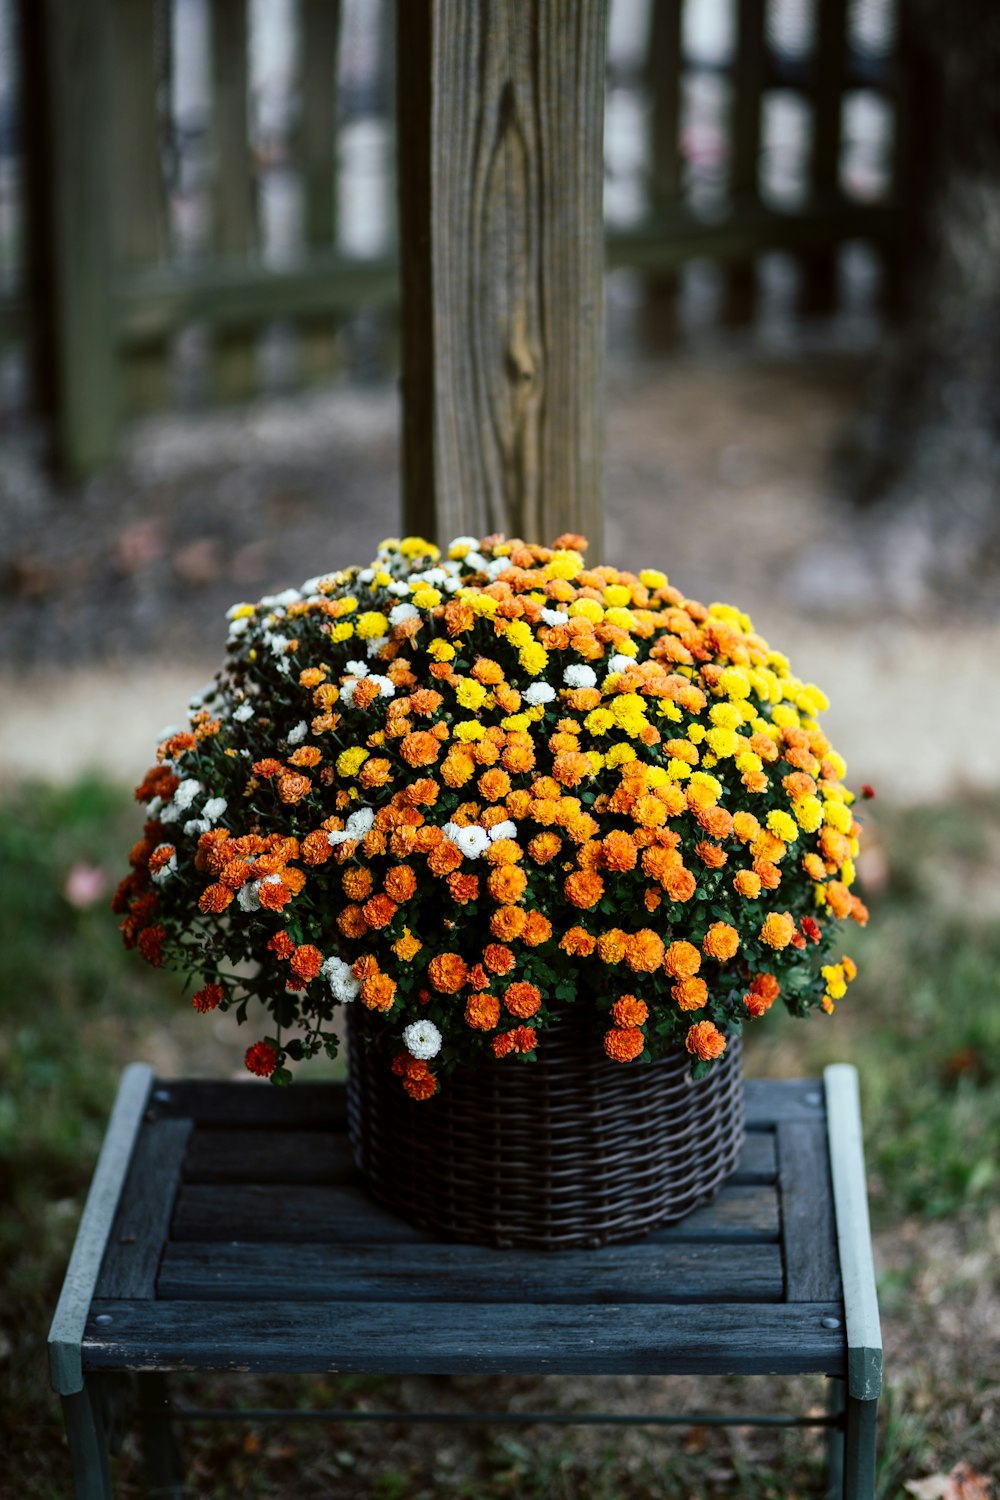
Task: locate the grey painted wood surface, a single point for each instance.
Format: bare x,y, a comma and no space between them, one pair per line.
501,179
142,1222
647,1273
95,1224
808,1231
456,1338
847,1169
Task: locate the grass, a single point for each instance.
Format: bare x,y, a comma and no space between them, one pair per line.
922,1023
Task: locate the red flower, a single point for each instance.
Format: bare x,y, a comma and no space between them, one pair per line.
261,1059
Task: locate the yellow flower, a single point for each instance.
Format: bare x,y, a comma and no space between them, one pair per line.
482,604
416,546
371,624
677,770
734,682
469,729
836,984
847,872
617,593
618,755
838,816
725,715
747,760
623,618
722,742
651,578
669,710
564,564
470,694
342,631
599,721
426,597
349,762
517,722
407,946
808,813
784,716
696,733
533,658
440,649
782,826
589,609
812,700
519,634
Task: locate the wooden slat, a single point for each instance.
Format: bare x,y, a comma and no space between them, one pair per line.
234,231
320,25
455,1338
807,1226
320,1106
500,170
95,1223
647,1273
140,1228
854,1240
819,283
77,41
664,67
262,1212
771,1100
140,210
314,1156
749,72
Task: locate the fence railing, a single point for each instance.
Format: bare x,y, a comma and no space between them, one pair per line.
203,190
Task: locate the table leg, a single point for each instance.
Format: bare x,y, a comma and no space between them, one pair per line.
835,1442
859,1449
88,1448
163,1465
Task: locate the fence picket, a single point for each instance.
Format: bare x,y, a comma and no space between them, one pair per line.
748,79
663,75
819,282
234,218
318,146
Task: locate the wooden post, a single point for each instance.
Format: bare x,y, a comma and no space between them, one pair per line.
819,281
663,87
75,47
320,37
235,362
500,166
744,135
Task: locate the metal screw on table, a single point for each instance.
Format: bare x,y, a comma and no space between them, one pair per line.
829,1322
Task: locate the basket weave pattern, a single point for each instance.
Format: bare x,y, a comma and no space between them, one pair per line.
569,1152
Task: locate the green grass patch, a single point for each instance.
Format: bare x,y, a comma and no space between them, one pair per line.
922,1024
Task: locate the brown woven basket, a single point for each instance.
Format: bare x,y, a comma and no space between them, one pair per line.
569,1152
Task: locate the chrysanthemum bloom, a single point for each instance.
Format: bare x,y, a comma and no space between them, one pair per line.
682,959
357,882
644,952
778,929
482,1012
306,962
420,1086
584,888
705,1041
628,1011
522,999
447,972
577,942
747,883
623,1044
618,851
720,941
690,994
401,883
508,922
261,1058
214,898
679,884
378,992
506,884
207,998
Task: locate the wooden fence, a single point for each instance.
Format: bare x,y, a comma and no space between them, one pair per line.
164,247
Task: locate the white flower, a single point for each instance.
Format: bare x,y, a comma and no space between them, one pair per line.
539,692
297,735
366,575
451,584
499,565
399,587
278,601
554,617
357,669
422,1039
244,712
620,663
165,871
238,627
312,585
247,898
206,694
342,982
167,732
476,561
214,808
276,642
386,686
401,612
579,676
470,543
504,830
360,822
472,841
196,825
153,807
375,644
186,793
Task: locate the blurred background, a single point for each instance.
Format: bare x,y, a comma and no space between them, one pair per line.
198,403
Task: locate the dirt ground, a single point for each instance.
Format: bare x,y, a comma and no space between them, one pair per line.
718,470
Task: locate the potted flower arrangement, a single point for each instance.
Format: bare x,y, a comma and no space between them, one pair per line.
500,808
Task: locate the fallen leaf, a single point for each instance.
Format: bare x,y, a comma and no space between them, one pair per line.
963,1483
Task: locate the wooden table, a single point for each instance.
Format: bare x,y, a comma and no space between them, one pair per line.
226,1229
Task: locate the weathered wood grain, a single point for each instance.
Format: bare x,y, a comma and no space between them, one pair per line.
456,1338
276,1212
807,1226
644,1273
854,1241
500,162
819,280
749,74
135,1243
320,1106
234,371
318,155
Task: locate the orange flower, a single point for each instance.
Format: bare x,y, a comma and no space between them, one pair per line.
690,994
375,772
618,851
463,888
357,882
705,1040
215,898
444,858
521,1039
570,767
308,755
378,992
584,888
306,962
649,811
768,874
494,784
745,827
508,922
682,960
519,756
487,671
544,846
407,946
422,793
316,849
292,787
624,1044
644,953
628,1011
261,1059
207,998
482,1012
720,941
400,883
379,911
506,884
522,999
577,943
457,767
747,883
351,921
504,852
711,854
281,945
420,1086
420,748
447,972
612,945
537,929
498,958
716,821
814,866
778,929
267,768
679,883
